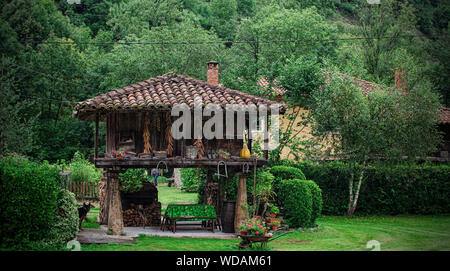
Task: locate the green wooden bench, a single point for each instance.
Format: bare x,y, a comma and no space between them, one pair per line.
189,212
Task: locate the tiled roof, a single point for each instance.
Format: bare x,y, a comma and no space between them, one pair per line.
163,92
445,115
365,86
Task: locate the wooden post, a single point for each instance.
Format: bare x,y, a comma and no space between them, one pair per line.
241,202
266,138
115,219
96,137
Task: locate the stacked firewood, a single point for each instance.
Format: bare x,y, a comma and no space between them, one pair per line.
152,216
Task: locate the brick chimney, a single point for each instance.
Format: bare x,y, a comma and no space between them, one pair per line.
400,79
212,73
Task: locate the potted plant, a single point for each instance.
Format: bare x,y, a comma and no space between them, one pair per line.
223,154
274,211
276,224
119,154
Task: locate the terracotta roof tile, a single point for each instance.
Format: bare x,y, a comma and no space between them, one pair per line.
164,91
444,112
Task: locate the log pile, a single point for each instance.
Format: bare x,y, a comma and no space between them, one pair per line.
152,213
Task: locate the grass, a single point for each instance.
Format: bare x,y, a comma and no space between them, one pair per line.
173,195
92,216
335,233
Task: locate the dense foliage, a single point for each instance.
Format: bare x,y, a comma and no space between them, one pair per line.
285,173
317,202
82,170
401,189
132,179
296,198
190,177
65,227
28,201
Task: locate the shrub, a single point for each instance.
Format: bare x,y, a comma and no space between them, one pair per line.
285,173
132,179
65,227
28,200
316,193
398,189
82,170
190,177
296,198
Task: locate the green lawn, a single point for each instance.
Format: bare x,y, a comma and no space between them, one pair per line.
92,216
173,195
335,233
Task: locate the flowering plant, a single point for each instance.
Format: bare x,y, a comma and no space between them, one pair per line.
223,154
120,153
254,226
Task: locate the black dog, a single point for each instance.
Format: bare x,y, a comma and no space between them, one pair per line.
82,213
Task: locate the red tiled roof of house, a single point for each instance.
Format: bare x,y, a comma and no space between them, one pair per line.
444,112
366,87
163,92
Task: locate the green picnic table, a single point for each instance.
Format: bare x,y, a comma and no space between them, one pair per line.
189,212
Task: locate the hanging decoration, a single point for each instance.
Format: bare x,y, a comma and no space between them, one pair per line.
201,151
169,135
146,134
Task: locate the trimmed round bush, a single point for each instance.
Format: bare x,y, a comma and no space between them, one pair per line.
285,173
65,227
296,198
316,193
28,200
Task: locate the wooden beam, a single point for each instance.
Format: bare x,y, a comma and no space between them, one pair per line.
172,162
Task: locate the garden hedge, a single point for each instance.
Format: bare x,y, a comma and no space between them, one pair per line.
400,189
317,203
285,173
296,198
28,200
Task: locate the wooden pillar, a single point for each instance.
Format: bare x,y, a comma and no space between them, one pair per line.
96,136
241,202
266,138
102,196
115,219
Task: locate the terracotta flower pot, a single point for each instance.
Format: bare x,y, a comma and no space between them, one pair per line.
243,233
274,228
273,215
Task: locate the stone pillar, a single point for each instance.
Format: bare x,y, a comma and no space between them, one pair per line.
177,177
241,211
115,219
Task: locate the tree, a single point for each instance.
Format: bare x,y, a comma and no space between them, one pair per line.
224,18
15,129
298,79
384,28
384,126
279,24
135,17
